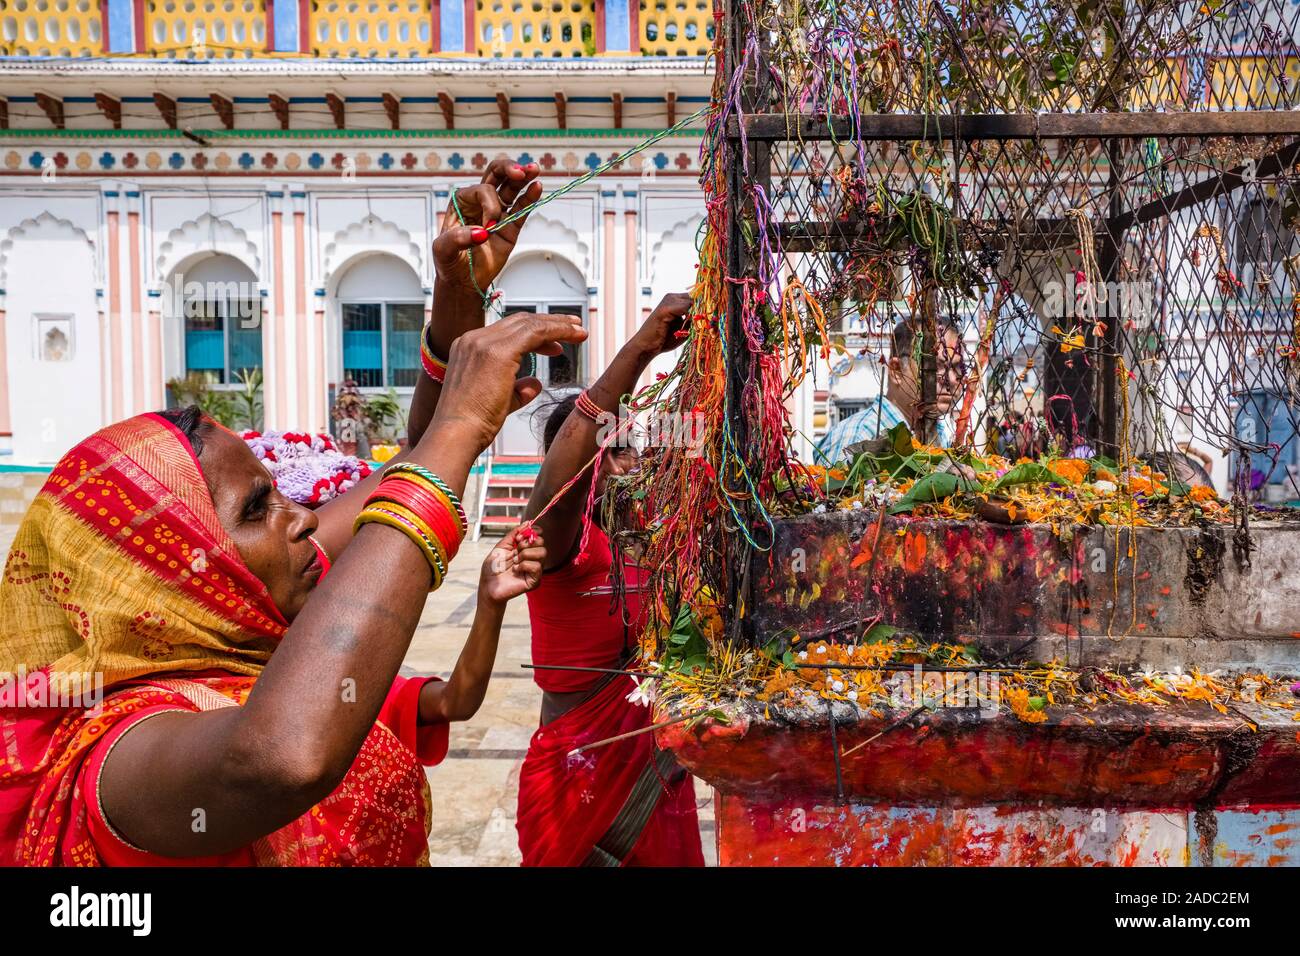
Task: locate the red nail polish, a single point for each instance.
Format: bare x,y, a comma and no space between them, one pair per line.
518,167
478,235
491,224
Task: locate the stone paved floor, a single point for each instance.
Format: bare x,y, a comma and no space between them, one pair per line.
476,788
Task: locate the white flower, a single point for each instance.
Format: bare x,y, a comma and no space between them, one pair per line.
803,655
819,510
855,504
837,686
1104,487
643,693
852,695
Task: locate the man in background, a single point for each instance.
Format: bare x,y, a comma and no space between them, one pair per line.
901,401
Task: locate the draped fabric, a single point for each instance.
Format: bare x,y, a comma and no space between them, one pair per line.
568,801
123,597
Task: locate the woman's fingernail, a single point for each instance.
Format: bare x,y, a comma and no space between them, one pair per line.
518,167
478,235
491,224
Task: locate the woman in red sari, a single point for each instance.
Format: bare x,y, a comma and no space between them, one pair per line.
251,711
624,803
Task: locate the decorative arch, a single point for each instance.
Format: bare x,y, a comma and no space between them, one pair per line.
544,234
683,229
204,236
367,237
45,221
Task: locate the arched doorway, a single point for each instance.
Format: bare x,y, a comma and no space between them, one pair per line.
212,307
379,310
545,283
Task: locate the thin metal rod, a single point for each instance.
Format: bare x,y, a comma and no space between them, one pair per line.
894,726
635,733
587,670
835,751
972,669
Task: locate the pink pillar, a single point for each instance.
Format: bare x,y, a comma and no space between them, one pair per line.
115,317
629,273
607,346
281,366
300,316
322,386
137,315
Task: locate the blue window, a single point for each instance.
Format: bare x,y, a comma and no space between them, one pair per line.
381,343
222,337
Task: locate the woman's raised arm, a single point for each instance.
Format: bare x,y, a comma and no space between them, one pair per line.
458,307
579,436
252,769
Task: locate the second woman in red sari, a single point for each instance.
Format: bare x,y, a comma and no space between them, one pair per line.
618,804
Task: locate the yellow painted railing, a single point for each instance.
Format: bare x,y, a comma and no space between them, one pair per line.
384,29
676,27
535,28
50,28
204,29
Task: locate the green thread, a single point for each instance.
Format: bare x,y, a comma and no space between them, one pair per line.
602,168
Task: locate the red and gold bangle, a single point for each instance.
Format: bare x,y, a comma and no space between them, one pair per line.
426,503
428,496
393,518
418,519
587,408
407,467
455,514
433,366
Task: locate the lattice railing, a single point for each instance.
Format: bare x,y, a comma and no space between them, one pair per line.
535,28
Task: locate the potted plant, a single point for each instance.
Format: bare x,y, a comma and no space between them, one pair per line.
349,416
387,424
248,398
196,389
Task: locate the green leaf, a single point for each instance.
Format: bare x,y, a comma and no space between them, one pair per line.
787,660
696,662
1026,473
900,439
879,633
933,487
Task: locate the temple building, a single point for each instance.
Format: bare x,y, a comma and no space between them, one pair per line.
234,195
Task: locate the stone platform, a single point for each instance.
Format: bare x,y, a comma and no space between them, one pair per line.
1114,784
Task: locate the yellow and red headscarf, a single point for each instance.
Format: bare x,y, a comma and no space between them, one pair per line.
122,569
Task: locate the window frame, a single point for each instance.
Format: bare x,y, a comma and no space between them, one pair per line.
227,373
384,370
544,307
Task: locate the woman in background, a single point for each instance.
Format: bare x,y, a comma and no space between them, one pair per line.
619,804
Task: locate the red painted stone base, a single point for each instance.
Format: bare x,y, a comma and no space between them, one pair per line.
810,833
